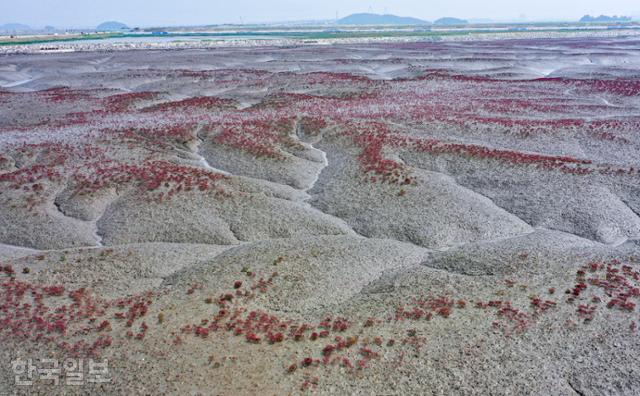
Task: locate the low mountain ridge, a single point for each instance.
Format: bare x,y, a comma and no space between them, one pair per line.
110,26
378,19
14,27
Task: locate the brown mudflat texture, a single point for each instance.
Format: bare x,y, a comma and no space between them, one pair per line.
400,218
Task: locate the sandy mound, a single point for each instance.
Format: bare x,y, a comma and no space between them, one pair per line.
227,220
436,212
327,269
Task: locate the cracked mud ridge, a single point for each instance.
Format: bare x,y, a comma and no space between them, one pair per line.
409,218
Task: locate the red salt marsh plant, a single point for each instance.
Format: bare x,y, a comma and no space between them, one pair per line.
425,307
373,137
8,269
235,137
515,157
621,283
224,76
124,102
164,178
192,104
586,311
257,134
260,327
333,78
253,130
616,86
62,94
312,125
517,321
30,175
74,321
341,347
42,166
154,137
542,305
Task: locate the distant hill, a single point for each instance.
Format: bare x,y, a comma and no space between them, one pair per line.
111,26
14,27
605,18
377,19
450,21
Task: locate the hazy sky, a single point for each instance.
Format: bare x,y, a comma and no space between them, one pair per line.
83,13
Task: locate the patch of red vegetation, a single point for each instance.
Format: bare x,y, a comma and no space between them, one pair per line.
621,283
616,86
542,305
29,175
69,322
124,102
333,78
312,125
426,307
192,104
155,138
164,178
563,163
347,345
259,136
62,94
372,137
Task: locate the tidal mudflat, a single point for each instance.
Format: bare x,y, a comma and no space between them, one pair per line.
382,218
